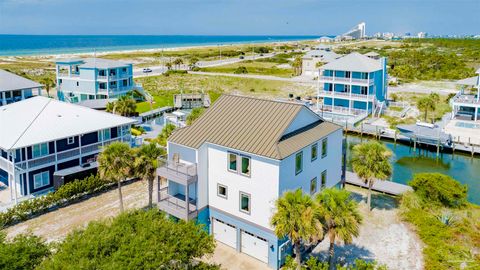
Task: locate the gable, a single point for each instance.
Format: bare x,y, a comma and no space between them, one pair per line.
303,118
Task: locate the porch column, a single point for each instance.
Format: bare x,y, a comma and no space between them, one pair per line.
187,199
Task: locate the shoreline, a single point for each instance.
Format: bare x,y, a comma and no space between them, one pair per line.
149,50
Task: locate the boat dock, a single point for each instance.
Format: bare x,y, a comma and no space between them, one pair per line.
387,187
155,113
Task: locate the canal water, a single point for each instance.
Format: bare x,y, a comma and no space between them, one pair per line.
406,163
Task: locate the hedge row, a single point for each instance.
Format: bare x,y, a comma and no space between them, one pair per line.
62,196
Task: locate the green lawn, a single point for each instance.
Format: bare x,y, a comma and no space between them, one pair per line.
253,67
163,88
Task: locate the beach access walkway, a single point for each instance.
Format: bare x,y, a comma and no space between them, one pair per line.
387,187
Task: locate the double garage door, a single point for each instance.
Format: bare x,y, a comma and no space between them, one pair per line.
251,244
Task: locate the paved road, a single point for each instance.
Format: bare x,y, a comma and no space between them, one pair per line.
158,70
302,79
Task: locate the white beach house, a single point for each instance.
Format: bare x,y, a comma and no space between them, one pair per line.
14,88
41,138
466,104
229,167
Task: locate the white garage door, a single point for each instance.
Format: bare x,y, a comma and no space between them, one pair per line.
255,246
225,233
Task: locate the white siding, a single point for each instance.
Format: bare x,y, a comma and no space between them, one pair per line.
262,186
332,163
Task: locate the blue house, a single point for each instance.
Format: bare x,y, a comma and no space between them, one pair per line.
83,79
352,87
44,141
15,88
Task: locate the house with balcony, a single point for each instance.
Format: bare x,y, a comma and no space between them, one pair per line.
315,58
352,87
43,138
83,79
228,168
466,103
15,88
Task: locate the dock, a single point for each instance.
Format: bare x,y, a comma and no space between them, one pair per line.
387,187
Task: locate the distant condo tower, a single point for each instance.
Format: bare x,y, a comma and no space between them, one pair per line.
357,32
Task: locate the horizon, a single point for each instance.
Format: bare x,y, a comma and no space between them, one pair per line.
265,18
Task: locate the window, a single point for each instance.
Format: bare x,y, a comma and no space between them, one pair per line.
245,203
363,90
324,179
246,165
104,135
71,140
364,75
314,152
330,87
78,84
222,191
298,163
40,150
232,162
313,186
346,88
41,179
348,74
324,147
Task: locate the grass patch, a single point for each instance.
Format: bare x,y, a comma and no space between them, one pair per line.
162,88
253,67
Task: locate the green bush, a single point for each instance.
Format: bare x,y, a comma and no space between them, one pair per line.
439,188
314,264
174,71
240,70
64,194
24,252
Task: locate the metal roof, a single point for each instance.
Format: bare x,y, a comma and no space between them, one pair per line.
252,125
40,119
10,81
323,55
354,62
93,62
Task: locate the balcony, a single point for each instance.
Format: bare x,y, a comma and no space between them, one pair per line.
343,80
346,95
177,171
176,205
466,100
341,110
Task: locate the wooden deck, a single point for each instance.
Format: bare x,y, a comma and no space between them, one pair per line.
387,187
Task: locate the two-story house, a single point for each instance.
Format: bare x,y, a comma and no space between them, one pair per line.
15,88
314,59
229,167
84,79
466,104
41,137
352,87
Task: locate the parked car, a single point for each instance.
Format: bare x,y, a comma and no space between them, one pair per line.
147,70
241,57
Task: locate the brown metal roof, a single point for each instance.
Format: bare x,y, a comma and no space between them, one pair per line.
251,125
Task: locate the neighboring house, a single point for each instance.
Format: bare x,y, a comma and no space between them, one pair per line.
14,88
466,106
311,60
237,159
325,39
43,137
83,79
352,87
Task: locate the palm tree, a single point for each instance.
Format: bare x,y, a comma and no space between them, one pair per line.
371,161
124,106
166,132
295,218
297,65
146,163
428,103
193,62
48,83
178,62
169,65
339,215
114,164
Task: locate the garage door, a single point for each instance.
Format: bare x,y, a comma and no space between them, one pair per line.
255,246
225,233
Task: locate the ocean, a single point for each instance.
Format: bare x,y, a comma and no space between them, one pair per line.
18,45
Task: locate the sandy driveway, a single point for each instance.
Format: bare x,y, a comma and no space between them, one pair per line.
383,237
57,224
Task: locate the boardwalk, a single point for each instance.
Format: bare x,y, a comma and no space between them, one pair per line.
387,187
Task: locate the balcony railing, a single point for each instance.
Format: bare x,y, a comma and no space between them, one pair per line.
177,171
346,95
176,205
466,99
341,110
332,79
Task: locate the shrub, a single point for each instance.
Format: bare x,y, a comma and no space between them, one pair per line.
439,188
176,71
314,264
64,194
241,70
23,252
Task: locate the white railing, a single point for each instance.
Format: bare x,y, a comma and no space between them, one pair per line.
341,110
466,99
101,77
345,80
346,95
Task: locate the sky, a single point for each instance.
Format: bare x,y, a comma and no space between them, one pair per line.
237,17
